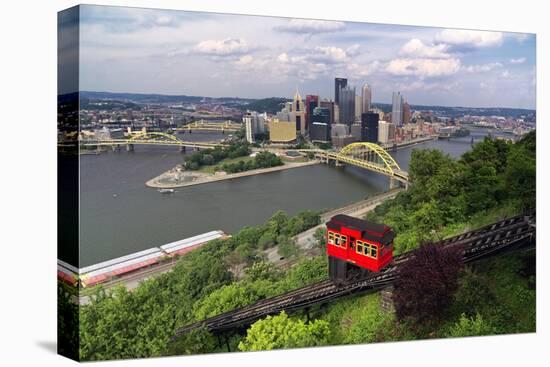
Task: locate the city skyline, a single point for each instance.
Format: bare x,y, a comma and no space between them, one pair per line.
217,55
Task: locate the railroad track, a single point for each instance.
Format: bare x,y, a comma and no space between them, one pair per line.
505,235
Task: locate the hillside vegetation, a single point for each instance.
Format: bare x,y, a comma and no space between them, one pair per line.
447,196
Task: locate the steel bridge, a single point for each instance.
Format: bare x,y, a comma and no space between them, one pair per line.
203,125
144,137
368,156
506,235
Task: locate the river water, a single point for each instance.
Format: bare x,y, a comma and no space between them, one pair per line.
120,215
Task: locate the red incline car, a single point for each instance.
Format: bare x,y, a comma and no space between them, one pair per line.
357,246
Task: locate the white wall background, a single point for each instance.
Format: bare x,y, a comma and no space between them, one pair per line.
28,181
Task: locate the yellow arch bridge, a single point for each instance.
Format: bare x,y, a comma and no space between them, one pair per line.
150,138
368,156
203,125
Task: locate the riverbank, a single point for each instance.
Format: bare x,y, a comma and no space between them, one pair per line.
392,147
304,240
175,177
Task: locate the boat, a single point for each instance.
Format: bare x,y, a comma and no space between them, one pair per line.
166,191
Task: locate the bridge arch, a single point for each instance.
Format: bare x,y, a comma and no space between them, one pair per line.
371,155
152,135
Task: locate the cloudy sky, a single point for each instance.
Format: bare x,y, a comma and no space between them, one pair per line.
177,52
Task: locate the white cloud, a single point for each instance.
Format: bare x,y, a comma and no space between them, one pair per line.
310,26
482,68
417,48
283,57
505,74
245,60
520,60
331,55
423,67
226,47
466,38
353,50
356,70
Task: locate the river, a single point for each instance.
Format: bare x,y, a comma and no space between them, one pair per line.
120,215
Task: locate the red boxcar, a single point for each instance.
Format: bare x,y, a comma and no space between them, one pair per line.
355,241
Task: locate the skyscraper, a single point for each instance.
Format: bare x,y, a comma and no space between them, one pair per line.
339,83
347,105
298,113
330,105
406,113
358,108
311,103
397,109
321,114
369,127
366,98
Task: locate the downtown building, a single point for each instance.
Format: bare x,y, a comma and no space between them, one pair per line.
254,124
339,83
347,105
366,98
312,102
298,114
397,109
320,128
369,127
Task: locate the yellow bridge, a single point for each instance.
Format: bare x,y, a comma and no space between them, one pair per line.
368,156
150,138
203,125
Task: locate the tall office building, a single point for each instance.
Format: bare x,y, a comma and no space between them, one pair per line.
366,98
284,114
311,103
339,83
369,127
298,113
347,105
406,113
321,114
254,123
397,109
326,103
358,108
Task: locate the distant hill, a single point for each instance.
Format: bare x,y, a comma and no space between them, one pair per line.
270,105
461,111
274,104
157,98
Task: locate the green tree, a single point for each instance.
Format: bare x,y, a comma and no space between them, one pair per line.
520,175
467,326
262,270
275,332
320,237
232,296
287,247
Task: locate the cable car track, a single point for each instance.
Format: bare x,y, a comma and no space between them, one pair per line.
504,235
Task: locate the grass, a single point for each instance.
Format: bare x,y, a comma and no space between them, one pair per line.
212,168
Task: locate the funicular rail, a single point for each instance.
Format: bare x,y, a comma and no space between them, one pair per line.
505,235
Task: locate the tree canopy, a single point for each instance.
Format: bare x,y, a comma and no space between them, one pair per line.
281,331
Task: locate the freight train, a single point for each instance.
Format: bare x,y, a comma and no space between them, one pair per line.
356,247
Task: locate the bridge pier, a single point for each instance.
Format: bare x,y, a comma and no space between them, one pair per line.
182,149
386,299
115,148
394,183
129,147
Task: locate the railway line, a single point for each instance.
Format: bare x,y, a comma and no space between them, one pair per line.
505,235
